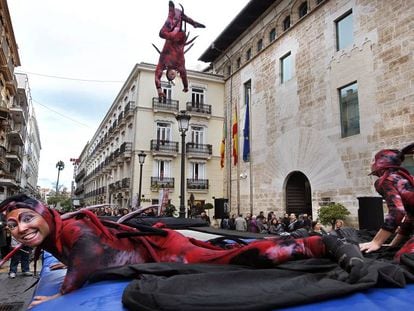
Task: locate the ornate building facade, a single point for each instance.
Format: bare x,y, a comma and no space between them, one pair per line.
327,84
109,170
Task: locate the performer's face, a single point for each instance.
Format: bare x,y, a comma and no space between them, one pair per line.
171,74
27,226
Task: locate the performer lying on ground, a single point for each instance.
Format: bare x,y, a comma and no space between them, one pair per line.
396,186
87,244
172,54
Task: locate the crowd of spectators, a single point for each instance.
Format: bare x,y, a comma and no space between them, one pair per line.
271,224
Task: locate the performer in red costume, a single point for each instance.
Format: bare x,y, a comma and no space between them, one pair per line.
85,244
172,55
396,186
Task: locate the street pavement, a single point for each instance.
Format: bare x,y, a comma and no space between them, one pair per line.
16,294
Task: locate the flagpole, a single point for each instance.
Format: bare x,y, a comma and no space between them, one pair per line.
250,150
238,161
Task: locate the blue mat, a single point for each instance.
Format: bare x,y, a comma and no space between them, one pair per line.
107,295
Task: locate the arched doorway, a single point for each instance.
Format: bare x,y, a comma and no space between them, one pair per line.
298,194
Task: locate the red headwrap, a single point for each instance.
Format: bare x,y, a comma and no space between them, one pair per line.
51,216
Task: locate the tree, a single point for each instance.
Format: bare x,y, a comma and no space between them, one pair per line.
330,213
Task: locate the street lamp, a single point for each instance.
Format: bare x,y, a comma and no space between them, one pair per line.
141,159
183,122
60,166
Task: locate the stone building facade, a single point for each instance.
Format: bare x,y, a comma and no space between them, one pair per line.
328,83
19,134
109,169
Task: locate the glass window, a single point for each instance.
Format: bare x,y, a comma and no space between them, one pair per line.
349,108
272,35
163,132
162,169
344,31
238,62
259,45
197,97
198,170
166,90
197,135
286,23
248,54
286,67
303,9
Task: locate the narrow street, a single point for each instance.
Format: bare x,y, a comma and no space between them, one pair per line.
16,294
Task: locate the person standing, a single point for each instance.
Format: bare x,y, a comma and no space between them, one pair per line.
240,223
22,257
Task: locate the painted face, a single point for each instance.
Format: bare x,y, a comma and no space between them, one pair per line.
171,74
27,226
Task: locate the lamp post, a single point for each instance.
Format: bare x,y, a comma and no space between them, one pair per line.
60,166
141,159
183,122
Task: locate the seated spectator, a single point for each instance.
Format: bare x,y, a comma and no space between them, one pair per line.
215,224
252,226
339,223
317,229
276,226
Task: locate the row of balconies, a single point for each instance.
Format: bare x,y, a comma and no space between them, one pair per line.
156,184
96,192
124,152
80,175
171,105
115,126
124,183
168,182
170,148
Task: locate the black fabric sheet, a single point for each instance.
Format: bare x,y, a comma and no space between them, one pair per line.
175,286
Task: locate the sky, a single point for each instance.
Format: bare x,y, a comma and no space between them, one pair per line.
78,53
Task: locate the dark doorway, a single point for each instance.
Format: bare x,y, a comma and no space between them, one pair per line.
298,194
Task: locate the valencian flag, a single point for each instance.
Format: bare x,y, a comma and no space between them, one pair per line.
235,139
223,146
246,134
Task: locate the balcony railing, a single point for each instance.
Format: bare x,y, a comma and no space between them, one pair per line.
165,104
197,184
196,149
162,182
126,182
164,146
129,109
199,108
125,150
80,175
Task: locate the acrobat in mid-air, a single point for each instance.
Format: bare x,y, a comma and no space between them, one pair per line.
176,39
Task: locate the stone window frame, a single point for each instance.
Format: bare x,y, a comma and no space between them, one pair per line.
259,45
337,21
281,61
279,23
272,34
346,131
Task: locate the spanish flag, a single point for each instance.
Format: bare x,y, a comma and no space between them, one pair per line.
223,146
235,139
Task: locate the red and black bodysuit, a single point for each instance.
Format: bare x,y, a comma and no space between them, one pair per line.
172,54
396,186
86,245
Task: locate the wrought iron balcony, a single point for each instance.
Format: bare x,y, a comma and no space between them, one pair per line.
195,150
126,150
199,109
197,184
162,182
129,109
165,105
164,147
